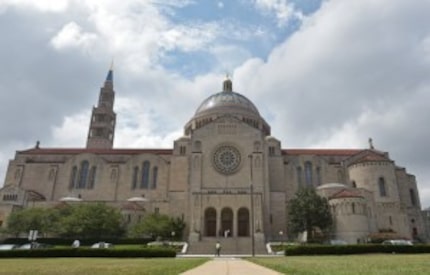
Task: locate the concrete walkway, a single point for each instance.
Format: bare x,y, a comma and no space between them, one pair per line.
230,266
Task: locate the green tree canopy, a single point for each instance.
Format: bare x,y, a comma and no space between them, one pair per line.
41,219
158,225
308,211
90,221
83,221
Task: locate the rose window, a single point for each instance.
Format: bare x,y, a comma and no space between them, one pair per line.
226,159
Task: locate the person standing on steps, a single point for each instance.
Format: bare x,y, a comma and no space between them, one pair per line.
217,249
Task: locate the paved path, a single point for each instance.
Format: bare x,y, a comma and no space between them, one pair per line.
230,266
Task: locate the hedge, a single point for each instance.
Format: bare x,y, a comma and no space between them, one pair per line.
353,249
90,241
88,252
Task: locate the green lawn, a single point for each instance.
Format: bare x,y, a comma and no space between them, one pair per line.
95,266
372,264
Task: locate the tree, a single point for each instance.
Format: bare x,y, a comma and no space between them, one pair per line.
178,226
41,219
90,221
308,211
158,225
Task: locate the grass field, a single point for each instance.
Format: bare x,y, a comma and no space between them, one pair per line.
375,264
95,266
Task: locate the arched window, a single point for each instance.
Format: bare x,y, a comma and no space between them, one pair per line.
92,177
308,173
154,177
144,184
299,175
134,179
413,198
382,187
353,208
354,185
271,150
83,175
73,177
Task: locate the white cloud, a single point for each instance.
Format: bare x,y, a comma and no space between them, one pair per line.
73,131
40,5
220,5
283,9
340,79
72,36
137,127
229,57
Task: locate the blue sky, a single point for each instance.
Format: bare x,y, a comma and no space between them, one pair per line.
324,74
262,30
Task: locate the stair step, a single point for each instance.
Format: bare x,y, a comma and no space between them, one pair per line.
236,246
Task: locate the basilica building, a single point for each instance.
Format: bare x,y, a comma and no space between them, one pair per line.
225,177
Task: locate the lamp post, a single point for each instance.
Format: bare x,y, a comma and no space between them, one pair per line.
251,187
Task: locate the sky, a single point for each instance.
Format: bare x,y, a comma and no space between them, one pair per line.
324,74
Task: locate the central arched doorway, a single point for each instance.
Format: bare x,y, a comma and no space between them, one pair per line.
226,222
243,222
210,222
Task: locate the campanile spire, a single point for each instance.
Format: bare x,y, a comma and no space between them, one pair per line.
103,118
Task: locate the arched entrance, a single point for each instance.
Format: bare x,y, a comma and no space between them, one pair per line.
226,221
243,222
210,222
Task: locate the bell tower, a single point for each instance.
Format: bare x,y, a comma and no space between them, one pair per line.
103,118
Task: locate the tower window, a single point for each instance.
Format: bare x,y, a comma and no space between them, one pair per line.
354,185
182,150
271,151
382,187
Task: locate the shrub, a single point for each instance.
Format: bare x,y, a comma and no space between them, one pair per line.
90,241
354,249
88,252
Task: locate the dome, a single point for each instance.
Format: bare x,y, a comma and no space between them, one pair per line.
331,185
226,101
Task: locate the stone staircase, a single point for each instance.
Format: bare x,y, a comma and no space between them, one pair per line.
229,246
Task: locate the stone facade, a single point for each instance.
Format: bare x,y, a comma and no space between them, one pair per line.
226,174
